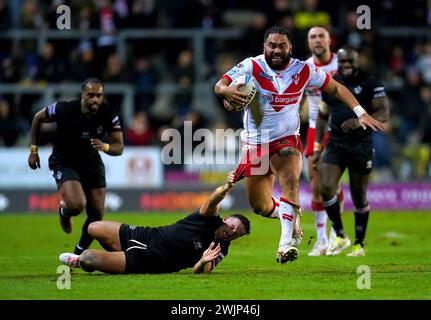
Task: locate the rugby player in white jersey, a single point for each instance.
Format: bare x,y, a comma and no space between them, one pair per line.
271,135
319,43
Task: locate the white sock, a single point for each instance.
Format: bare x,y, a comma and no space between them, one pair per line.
332,234
320,225
287,215
275,214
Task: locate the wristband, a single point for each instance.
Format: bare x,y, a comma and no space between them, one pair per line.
317,146
359,111
33,148
105,147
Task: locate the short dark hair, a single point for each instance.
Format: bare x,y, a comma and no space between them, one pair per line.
91,81
245,222
277,30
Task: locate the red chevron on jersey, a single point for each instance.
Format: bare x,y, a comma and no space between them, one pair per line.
263,81
299,80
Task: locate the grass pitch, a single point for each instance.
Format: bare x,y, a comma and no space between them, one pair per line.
398,248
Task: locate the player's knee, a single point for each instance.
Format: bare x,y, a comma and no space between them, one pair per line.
88,260
327,190
76,206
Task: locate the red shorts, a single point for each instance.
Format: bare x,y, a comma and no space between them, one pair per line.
311,134
252,155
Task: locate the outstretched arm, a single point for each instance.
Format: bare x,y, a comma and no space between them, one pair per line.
207,262
343,94
210,208
39,118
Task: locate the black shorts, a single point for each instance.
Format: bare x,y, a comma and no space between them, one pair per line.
134,244
358,157
91,177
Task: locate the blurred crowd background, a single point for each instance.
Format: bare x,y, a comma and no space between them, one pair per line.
168,54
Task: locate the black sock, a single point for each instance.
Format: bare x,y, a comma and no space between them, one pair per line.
79,249
332,208
361,222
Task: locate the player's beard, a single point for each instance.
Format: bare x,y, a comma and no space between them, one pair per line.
92,109
277,64
319,52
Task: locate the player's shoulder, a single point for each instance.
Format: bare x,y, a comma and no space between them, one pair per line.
310,60
369,78
62,106
68,104
260,60
248,60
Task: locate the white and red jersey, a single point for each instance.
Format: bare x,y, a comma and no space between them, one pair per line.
279,94
313,93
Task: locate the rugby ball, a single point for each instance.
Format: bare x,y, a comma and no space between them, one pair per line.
248,86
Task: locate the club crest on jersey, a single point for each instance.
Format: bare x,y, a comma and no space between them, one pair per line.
295,78
357,89
99,130
197,245
58,174
265,76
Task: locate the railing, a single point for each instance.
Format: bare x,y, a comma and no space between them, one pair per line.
202,90
49,91
198,37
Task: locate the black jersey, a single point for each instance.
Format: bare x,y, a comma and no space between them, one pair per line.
180,245
365,88
74,130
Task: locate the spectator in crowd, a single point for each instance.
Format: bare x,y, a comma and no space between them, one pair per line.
184,77
86,19
50,67
84,66
144,14
31,17
9,127
140,132
114,71
424,64
145,78
410,106
5,17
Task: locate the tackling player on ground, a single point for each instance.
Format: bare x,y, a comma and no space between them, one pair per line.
199,241
271,143
349,146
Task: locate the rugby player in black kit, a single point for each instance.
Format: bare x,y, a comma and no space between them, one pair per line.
75,161
349,146
199,241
